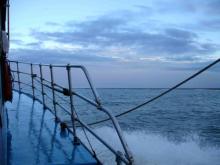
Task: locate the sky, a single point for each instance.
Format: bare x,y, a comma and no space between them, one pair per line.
135,44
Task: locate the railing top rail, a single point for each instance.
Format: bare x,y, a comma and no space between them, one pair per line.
53,65
85,71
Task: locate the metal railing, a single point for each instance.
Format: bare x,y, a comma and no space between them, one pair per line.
38,83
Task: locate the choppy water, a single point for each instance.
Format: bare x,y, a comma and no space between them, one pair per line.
181,128
178,115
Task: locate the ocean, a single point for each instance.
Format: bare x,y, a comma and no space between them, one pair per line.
181,128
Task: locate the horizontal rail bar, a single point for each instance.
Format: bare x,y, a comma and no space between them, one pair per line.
21,72
22,83
64,109
27,85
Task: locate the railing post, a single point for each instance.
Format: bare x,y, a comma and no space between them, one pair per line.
18,73
32,81
53,92
42,86
73,116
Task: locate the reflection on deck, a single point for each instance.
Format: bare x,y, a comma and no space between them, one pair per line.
36,137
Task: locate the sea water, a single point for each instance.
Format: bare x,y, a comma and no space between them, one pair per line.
181,128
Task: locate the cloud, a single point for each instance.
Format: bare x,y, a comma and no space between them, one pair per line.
105,33
210,24
55,56
181,34
117,36
17,41
195,67
210,7
52,24
33,45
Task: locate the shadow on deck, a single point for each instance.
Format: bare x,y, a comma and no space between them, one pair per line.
37,139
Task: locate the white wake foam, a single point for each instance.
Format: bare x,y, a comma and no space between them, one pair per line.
155,149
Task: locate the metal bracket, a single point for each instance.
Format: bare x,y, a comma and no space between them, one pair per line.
34,75
66,92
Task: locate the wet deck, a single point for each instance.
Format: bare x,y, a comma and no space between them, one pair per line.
37,139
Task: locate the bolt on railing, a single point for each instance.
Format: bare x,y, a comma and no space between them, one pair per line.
127,159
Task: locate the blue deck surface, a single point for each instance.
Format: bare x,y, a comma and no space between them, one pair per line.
36,138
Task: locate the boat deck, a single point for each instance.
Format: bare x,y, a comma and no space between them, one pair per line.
37,139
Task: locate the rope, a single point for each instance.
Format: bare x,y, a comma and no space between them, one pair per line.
162,94
87,138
